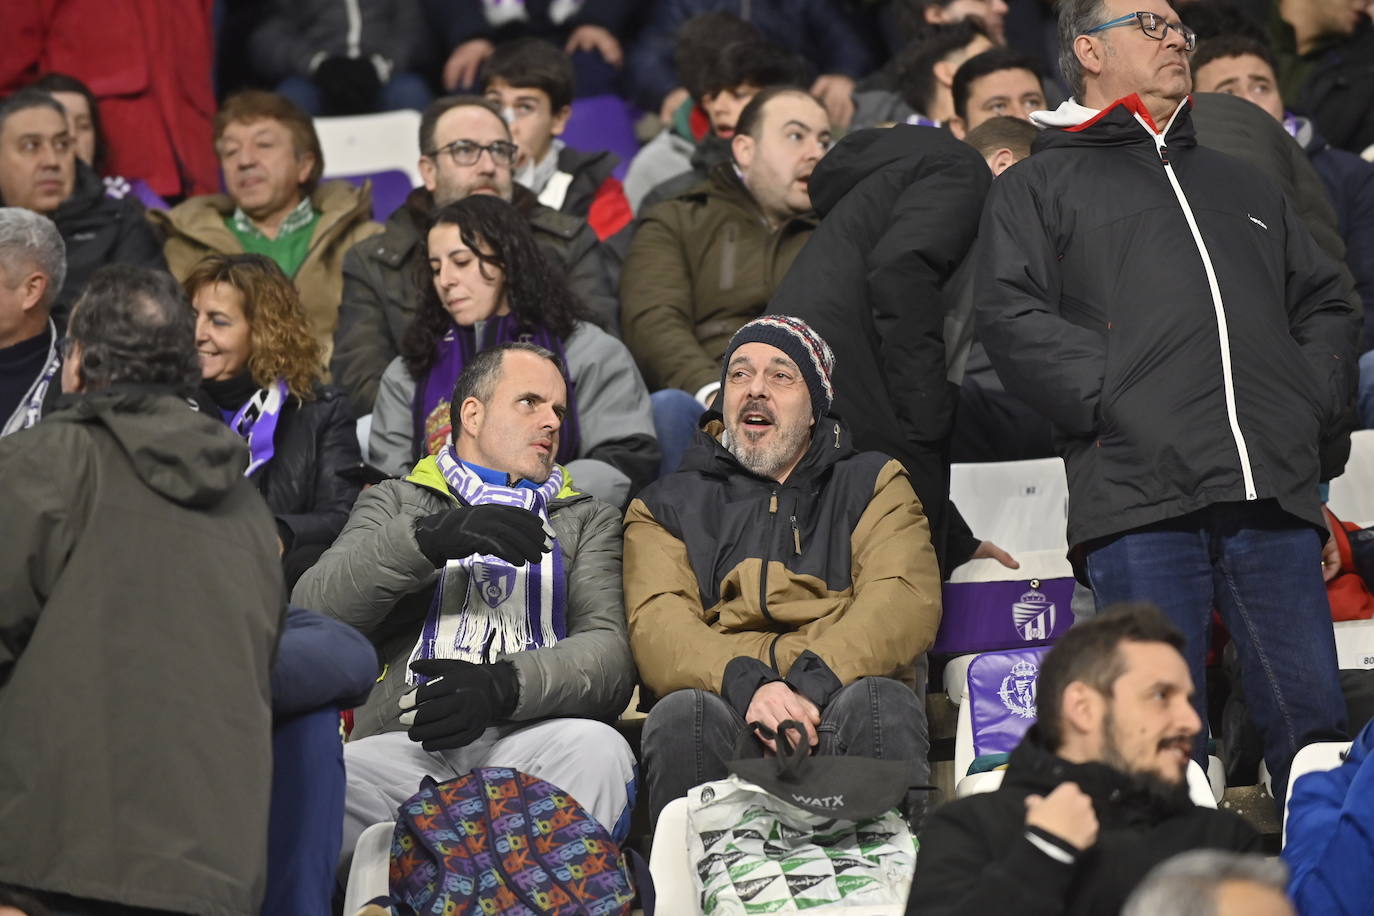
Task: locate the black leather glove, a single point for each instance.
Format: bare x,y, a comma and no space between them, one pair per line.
459,702
513,534
348,85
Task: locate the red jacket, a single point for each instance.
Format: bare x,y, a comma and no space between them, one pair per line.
149,65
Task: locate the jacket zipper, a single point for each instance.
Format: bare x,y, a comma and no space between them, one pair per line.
767,552
355,26
1228,382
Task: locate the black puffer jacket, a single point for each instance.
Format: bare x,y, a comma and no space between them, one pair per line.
100,230
899,211
314,440
976,859
1179,371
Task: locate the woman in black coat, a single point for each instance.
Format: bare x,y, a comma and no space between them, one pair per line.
261,370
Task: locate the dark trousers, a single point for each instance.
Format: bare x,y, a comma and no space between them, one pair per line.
690,734
1261,569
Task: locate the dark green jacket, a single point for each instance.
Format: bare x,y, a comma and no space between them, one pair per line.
140,603
381,277
700,267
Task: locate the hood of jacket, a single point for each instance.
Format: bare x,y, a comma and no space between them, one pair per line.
830,444
1125,122
186,456
1035,769
864,152
711,152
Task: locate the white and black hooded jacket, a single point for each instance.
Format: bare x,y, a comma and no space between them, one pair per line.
1163,305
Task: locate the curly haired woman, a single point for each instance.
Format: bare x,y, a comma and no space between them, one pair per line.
487,283
261,370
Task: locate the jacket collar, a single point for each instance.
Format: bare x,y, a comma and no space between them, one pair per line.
1124,122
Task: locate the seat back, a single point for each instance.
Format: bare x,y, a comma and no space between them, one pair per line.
999,704
670,863
1354,643
1313,758
364,144
602,122
1022,507
389,190
1352,493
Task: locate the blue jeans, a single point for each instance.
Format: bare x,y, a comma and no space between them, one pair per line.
404,90
691,734
1261,569
675,423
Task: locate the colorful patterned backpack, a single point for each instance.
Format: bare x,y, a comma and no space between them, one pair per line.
501,841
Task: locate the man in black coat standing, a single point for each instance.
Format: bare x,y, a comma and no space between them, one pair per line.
900,209
1165,307
1095,795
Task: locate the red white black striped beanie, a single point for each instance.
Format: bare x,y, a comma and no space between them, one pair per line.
801,344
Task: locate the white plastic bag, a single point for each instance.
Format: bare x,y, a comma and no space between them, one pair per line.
754,853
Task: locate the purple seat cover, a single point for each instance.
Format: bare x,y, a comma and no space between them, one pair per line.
1001,698
389,190
603,122
982,616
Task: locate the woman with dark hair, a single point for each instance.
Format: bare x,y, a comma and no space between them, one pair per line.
261,371
83,122
487,283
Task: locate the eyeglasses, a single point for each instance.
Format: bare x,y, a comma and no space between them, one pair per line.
466,152
1154,26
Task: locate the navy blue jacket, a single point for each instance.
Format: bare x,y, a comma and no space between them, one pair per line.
1349,183
319,662
824,32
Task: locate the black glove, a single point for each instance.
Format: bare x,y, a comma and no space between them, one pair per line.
513,534
459,702
348,85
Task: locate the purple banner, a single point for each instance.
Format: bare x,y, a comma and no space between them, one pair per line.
1002,698
982,616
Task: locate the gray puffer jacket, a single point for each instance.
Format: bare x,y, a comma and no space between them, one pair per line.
376,579
618,451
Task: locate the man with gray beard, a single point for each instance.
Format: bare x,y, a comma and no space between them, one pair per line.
779,575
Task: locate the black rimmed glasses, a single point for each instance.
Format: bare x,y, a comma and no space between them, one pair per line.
1153,25
466,152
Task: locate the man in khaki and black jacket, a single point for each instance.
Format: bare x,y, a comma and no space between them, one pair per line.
779,575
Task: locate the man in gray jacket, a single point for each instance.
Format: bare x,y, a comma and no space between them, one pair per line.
493,592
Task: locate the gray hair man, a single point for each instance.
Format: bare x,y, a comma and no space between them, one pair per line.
1164,306
142,565
33,263
1211,882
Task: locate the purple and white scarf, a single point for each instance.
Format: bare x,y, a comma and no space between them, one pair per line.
256,423
506,608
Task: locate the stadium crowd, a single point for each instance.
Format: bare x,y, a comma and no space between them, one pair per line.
310,498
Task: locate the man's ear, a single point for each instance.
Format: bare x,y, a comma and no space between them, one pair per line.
956,127
305,162
1089,54
35,286
1080,712
743,148
560,120
429,173
1001,160
470,414
944,71
73,382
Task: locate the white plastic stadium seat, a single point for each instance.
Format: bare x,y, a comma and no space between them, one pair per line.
956,677
360,144
364,428
1354,643
1199,789
1352,493
670,865
1324,755
369,875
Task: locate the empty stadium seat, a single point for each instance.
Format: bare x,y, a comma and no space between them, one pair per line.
998,707
364,144
369,875
1354,643
602,122
1314,758
389,190
1352,493
1022,507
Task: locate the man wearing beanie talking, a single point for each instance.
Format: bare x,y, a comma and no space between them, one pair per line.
778,575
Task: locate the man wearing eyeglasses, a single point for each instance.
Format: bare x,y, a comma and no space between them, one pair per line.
466,148
1164,306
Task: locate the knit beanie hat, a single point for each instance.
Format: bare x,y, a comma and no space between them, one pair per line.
801,344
